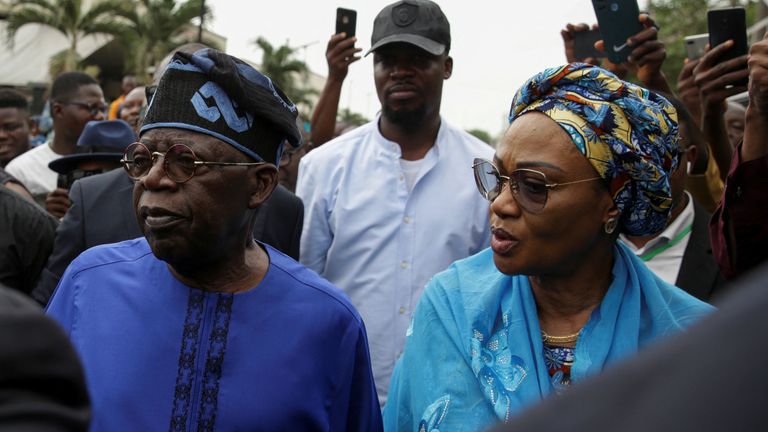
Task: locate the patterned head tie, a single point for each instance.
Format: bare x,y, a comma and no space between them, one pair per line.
627,133
219,95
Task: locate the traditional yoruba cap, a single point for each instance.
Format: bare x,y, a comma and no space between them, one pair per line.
100,140
219,95
627,133
417,22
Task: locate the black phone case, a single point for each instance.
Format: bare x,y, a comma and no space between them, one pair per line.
618,21
725,24
346,21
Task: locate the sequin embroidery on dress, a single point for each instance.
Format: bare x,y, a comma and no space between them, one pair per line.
500,373
434,415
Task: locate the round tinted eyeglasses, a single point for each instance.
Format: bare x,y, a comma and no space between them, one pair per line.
179,162
529,187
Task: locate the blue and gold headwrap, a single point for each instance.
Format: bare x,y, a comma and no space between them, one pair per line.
627,133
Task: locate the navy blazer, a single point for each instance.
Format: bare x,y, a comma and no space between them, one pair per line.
102,212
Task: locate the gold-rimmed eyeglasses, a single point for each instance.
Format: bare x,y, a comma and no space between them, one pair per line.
529,187
179,162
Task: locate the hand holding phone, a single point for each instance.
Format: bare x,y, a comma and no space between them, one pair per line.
618,21
341,50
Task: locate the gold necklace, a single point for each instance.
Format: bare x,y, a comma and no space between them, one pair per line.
559,339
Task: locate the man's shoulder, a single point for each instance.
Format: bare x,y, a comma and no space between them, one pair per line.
285,199
459,137
340,146
36,156
105,180
128,251
297,280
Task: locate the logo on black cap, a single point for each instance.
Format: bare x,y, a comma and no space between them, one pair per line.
405,14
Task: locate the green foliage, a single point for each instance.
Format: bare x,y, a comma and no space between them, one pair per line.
155,27
70,18
481,135
148,28
680,18
351,118
281,65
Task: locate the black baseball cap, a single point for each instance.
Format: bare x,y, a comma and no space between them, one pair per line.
417,22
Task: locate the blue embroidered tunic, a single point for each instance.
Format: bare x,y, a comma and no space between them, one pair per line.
474,355
289,354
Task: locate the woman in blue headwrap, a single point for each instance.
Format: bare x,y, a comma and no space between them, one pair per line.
556,298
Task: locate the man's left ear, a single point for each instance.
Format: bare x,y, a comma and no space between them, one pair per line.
263,180
448,67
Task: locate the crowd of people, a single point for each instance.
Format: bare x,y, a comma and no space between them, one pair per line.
215,265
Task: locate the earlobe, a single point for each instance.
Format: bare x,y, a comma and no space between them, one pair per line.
263,180
448,67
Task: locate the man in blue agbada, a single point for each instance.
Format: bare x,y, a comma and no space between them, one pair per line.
556,298
196,326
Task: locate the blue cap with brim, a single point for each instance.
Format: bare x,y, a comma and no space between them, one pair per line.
100,141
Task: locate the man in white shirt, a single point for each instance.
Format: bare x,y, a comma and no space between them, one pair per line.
393,202
76,99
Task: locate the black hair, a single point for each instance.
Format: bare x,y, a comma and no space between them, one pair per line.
12,99
67,84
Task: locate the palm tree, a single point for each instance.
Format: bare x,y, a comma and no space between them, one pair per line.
156,27
70,18
280,65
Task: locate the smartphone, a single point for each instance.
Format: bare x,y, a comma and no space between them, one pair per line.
725,24
346,21
618,21
695,45
584,44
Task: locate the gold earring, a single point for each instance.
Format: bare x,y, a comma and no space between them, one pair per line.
610,225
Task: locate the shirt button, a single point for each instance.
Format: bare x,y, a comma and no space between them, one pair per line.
404,265
407,219
402,178
402,310
738,192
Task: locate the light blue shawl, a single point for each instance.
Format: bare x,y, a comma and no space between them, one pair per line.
473,354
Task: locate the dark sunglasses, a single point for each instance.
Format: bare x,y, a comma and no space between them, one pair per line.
93,108
179,162
529,187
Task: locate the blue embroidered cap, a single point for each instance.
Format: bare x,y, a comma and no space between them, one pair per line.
219,95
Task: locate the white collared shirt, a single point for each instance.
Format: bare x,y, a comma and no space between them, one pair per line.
369,235
665,260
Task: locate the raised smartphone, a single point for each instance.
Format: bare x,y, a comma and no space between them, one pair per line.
618,21
346,21
726,24
695,45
